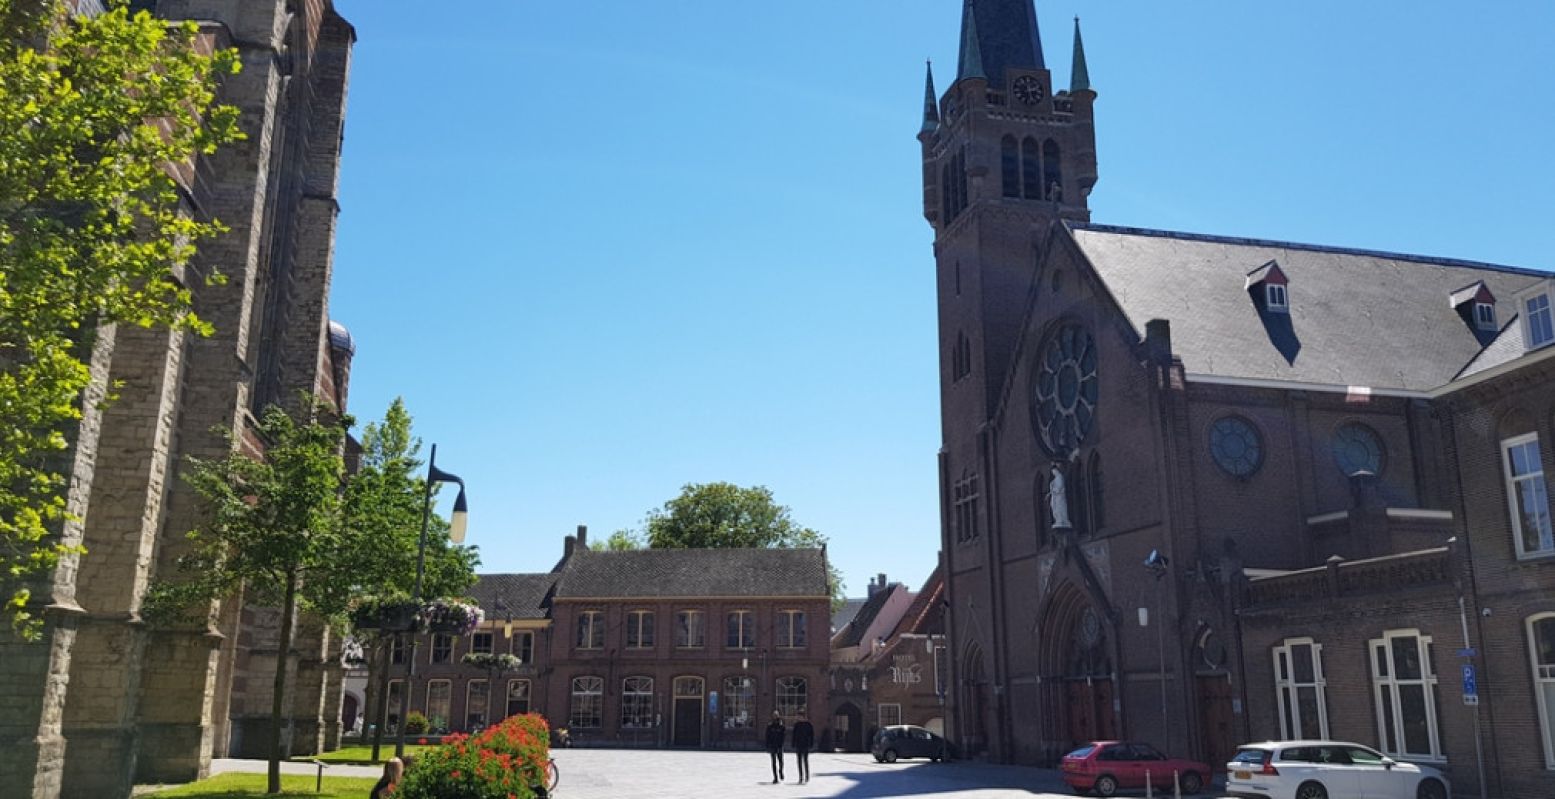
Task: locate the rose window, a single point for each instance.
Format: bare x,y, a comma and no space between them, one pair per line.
1063,397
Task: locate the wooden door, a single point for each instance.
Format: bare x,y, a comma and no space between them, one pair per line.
1216,720
1089,710
688,721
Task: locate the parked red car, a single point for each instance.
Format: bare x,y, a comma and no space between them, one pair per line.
1107,766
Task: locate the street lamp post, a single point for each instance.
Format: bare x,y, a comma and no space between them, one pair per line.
456,527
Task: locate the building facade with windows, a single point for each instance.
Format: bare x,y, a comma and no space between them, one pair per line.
685,647
888,664
1195,488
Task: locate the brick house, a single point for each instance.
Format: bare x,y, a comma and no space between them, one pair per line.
684,647
887,664
1289,435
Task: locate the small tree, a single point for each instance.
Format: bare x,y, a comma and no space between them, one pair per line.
96,112
727,515
275,528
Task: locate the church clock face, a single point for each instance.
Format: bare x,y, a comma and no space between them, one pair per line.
1029,90
1064,391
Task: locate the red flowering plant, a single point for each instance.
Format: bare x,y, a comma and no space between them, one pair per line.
506,761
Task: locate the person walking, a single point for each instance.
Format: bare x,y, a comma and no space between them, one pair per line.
804,738
775,732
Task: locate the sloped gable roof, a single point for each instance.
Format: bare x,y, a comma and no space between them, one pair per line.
853,633
1356,317
518,596
694,573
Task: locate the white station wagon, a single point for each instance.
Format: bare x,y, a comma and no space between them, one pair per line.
1327,770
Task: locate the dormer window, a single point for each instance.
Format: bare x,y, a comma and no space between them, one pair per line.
1269,288
1485,315
1539,320
1476,306
1274,297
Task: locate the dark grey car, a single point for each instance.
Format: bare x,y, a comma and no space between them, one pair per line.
905,740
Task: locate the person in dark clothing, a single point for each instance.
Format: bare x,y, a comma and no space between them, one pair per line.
804,739
393,770
775,732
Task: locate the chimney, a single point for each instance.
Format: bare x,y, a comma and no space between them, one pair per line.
877,585
583,535
569,544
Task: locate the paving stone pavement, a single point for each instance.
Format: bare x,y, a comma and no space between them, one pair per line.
671,774
679,774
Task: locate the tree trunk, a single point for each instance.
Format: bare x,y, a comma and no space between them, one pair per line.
278,701
378,676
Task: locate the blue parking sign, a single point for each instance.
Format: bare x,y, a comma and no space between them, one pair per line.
1470,684
712,703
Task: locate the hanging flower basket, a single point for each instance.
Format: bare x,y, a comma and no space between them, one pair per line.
492,662
450,616
394,615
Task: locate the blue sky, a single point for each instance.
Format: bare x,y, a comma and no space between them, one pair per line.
604,249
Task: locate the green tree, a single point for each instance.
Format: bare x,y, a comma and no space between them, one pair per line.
619,541
96,116
276,529
727,515
383,506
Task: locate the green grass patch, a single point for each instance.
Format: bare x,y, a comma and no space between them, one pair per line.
235,786
360,755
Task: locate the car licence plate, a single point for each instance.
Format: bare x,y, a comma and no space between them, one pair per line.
1243,775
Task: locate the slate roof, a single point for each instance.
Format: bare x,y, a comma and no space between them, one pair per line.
850,608
1508,346
853,633
1357,318
694,573
523,596
1006,36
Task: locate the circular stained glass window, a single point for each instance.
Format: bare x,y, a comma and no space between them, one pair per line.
1358,448
1236,447
1063,395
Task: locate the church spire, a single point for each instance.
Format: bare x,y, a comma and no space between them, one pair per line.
1080,75
997,35
971,62
930,102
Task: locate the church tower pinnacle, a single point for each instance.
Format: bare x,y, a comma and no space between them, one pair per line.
1001,136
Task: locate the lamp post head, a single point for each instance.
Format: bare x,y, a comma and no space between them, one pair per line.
461,518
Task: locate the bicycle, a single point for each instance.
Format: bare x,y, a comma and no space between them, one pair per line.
553,776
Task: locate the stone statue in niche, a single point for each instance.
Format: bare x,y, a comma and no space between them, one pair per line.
1058,499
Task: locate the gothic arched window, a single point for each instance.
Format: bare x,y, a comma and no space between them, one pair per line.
1052,171
1031,169
1009,162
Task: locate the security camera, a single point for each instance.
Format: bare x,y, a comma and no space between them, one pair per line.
1156,560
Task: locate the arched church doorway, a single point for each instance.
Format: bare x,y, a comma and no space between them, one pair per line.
1077,673
348,712
975,700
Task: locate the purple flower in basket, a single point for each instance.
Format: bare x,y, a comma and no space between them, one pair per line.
451,616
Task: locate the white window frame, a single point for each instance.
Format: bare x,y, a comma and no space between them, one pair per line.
1287,690
889,719
491,642
796,625
792,696
1546,536
448,711
596,693
1276,297
595,640
527,695
1543,680
485,707
1537,308
1485,315
1390,685
516,650
638,621
637,703
739,702
747,624
440,638
694,624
